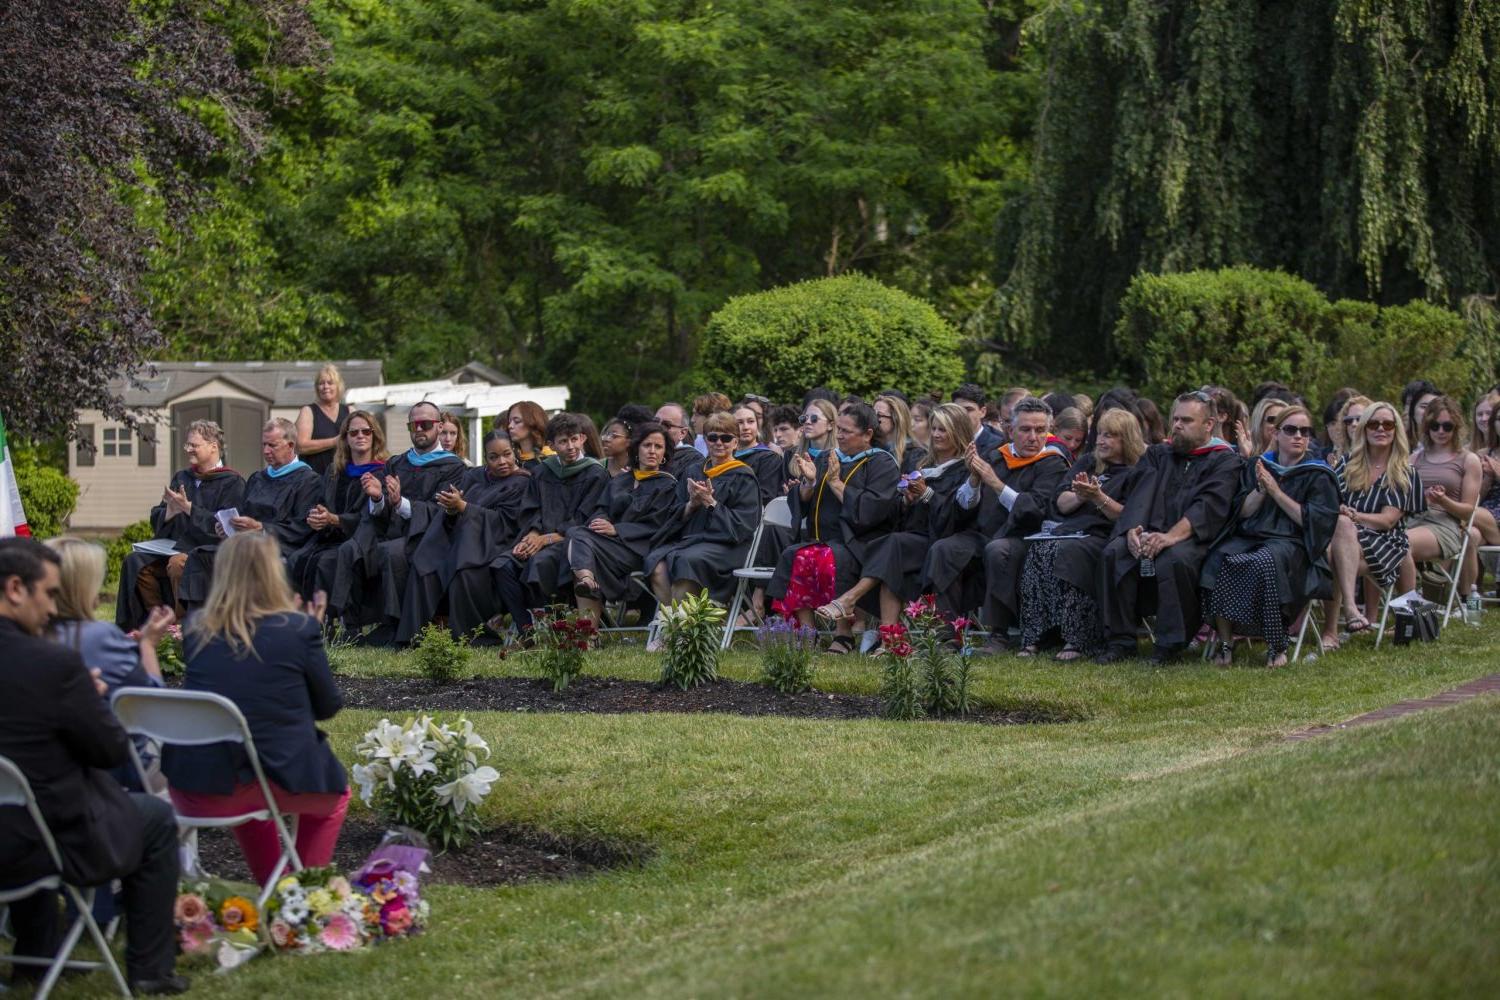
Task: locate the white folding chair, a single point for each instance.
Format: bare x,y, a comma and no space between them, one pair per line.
15,790
199,718
1451,576
778,514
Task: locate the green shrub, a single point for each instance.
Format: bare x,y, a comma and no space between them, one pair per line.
116,549
47,494
1378,350
691,630
850,333
440,657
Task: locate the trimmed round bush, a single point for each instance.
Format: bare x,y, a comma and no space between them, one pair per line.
850,333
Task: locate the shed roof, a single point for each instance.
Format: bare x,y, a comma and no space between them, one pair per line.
283,383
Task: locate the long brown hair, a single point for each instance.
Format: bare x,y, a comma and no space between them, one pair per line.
343,454
249,584
535,419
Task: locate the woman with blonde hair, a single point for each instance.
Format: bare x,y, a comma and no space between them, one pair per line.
1377,488
1263,423
122,660
893,432
361,449
1060,579
816,434
251,644
319,422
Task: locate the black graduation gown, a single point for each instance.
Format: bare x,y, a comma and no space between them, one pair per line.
218,490
1077,559
951,569
915,457
280,504
1167,488
498,511
638,510
767,466
896,559
370,575
560,504
1300,550
711,544
867,512
312,566
683,460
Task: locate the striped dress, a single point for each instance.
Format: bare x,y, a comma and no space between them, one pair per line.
1383,550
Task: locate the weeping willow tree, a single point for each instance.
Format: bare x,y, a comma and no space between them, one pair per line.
1353,142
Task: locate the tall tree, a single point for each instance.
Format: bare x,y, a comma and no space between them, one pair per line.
109,109
1354,142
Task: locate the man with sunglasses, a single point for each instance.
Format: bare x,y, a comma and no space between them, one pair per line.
400,502
1181,500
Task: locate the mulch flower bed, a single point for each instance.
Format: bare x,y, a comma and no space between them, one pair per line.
607,695
499,856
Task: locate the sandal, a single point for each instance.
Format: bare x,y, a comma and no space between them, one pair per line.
842,645
1271,659
1026,651
586,588
833,612
1223,655
1068,654
750,618
1358,624
1331,644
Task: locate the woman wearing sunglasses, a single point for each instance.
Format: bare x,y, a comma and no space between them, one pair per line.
1274,559
360,449
1451,477
1377,487
816,434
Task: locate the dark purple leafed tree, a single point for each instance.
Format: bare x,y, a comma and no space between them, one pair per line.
101,103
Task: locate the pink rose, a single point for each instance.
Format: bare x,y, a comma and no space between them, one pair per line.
189,909
395,918
282,935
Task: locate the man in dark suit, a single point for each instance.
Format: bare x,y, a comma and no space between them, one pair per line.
55,726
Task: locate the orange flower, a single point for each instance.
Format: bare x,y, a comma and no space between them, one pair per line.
238,913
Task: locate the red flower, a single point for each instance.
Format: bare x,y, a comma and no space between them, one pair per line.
586,626
583,644
559,626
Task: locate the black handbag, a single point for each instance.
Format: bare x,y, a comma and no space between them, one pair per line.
1417,622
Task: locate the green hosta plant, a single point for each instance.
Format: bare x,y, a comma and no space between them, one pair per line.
691,630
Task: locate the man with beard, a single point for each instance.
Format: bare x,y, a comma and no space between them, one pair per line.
371,575
1008,493
1181,499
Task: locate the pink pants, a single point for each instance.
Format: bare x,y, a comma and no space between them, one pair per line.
320,815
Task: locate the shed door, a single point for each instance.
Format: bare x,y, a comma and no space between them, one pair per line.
243,419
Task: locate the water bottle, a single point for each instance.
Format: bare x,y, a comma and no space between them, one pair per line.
1148,566
1474,608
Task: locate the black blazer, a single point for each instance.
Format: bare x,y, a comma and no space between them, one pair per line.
282,687
63,737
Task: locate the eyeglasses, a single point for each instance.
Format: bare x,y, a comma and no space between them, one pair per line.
809,418
718,438
1381,425
359,432
421,425
1446,426
1303,431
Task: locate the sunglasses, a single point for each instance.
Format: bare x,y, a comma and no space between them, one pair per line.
718,438
1303,431
1350,421
809,418
1381,425
1446,426
1270,419
421,425
358,432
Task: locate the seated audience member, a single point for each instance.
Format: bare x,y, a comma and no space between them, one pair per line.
1451,477
451,436
1058,402
633,415
122,661
612,542
705,406
683,457
1085,404
762,459
318,423
1480,440
1414,399
1060,580
370,574
844,500
276,501
817,425
1270,387
1263,422
928,510
1006,497
785,434
1071,428
566,490
1180,502
974,401
360,451
1231,425
1335,437
716,510
593,447
483,515
614,442
893,433
1490,459
251,644
1273,561
820,392
921,410
185,517
526,426
762,408
1377,488
56,727
1155,426
1347,417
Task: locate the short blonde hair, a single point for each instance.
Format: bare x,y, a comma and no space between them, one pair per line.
249,584
338,379
1122,423
82,569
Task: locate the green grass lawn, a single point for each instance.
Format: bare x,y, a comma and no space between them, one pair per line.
1169,843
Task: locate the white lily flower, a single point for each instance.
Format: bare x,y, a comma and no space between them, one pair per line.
468,790
366,778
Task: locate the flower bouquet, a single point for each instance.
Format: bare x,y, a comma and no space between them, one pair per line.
319,910
218,920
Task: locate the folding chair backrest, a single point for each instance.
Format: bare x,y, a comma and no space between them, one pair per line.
187,718
778,513
15,790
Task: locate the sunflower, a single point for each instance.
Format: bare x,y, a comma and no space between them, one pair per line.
238,913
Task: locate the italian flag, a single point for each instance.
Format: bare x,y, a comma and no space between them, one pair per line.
12,515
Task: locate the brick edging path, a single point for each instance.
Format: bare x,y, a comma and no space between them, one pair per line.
1452,696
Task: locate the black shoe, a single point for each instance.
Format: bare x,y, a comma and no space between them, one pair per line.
1115,654
380,637
1162,655
166,986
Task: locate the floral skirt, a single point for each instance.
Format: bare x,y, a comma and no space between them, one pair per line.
1049,603
811,584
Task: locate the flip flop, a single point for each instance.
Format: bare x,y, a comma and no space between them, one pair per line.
842,645
833,612
1026,651
1068,654
1358,624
